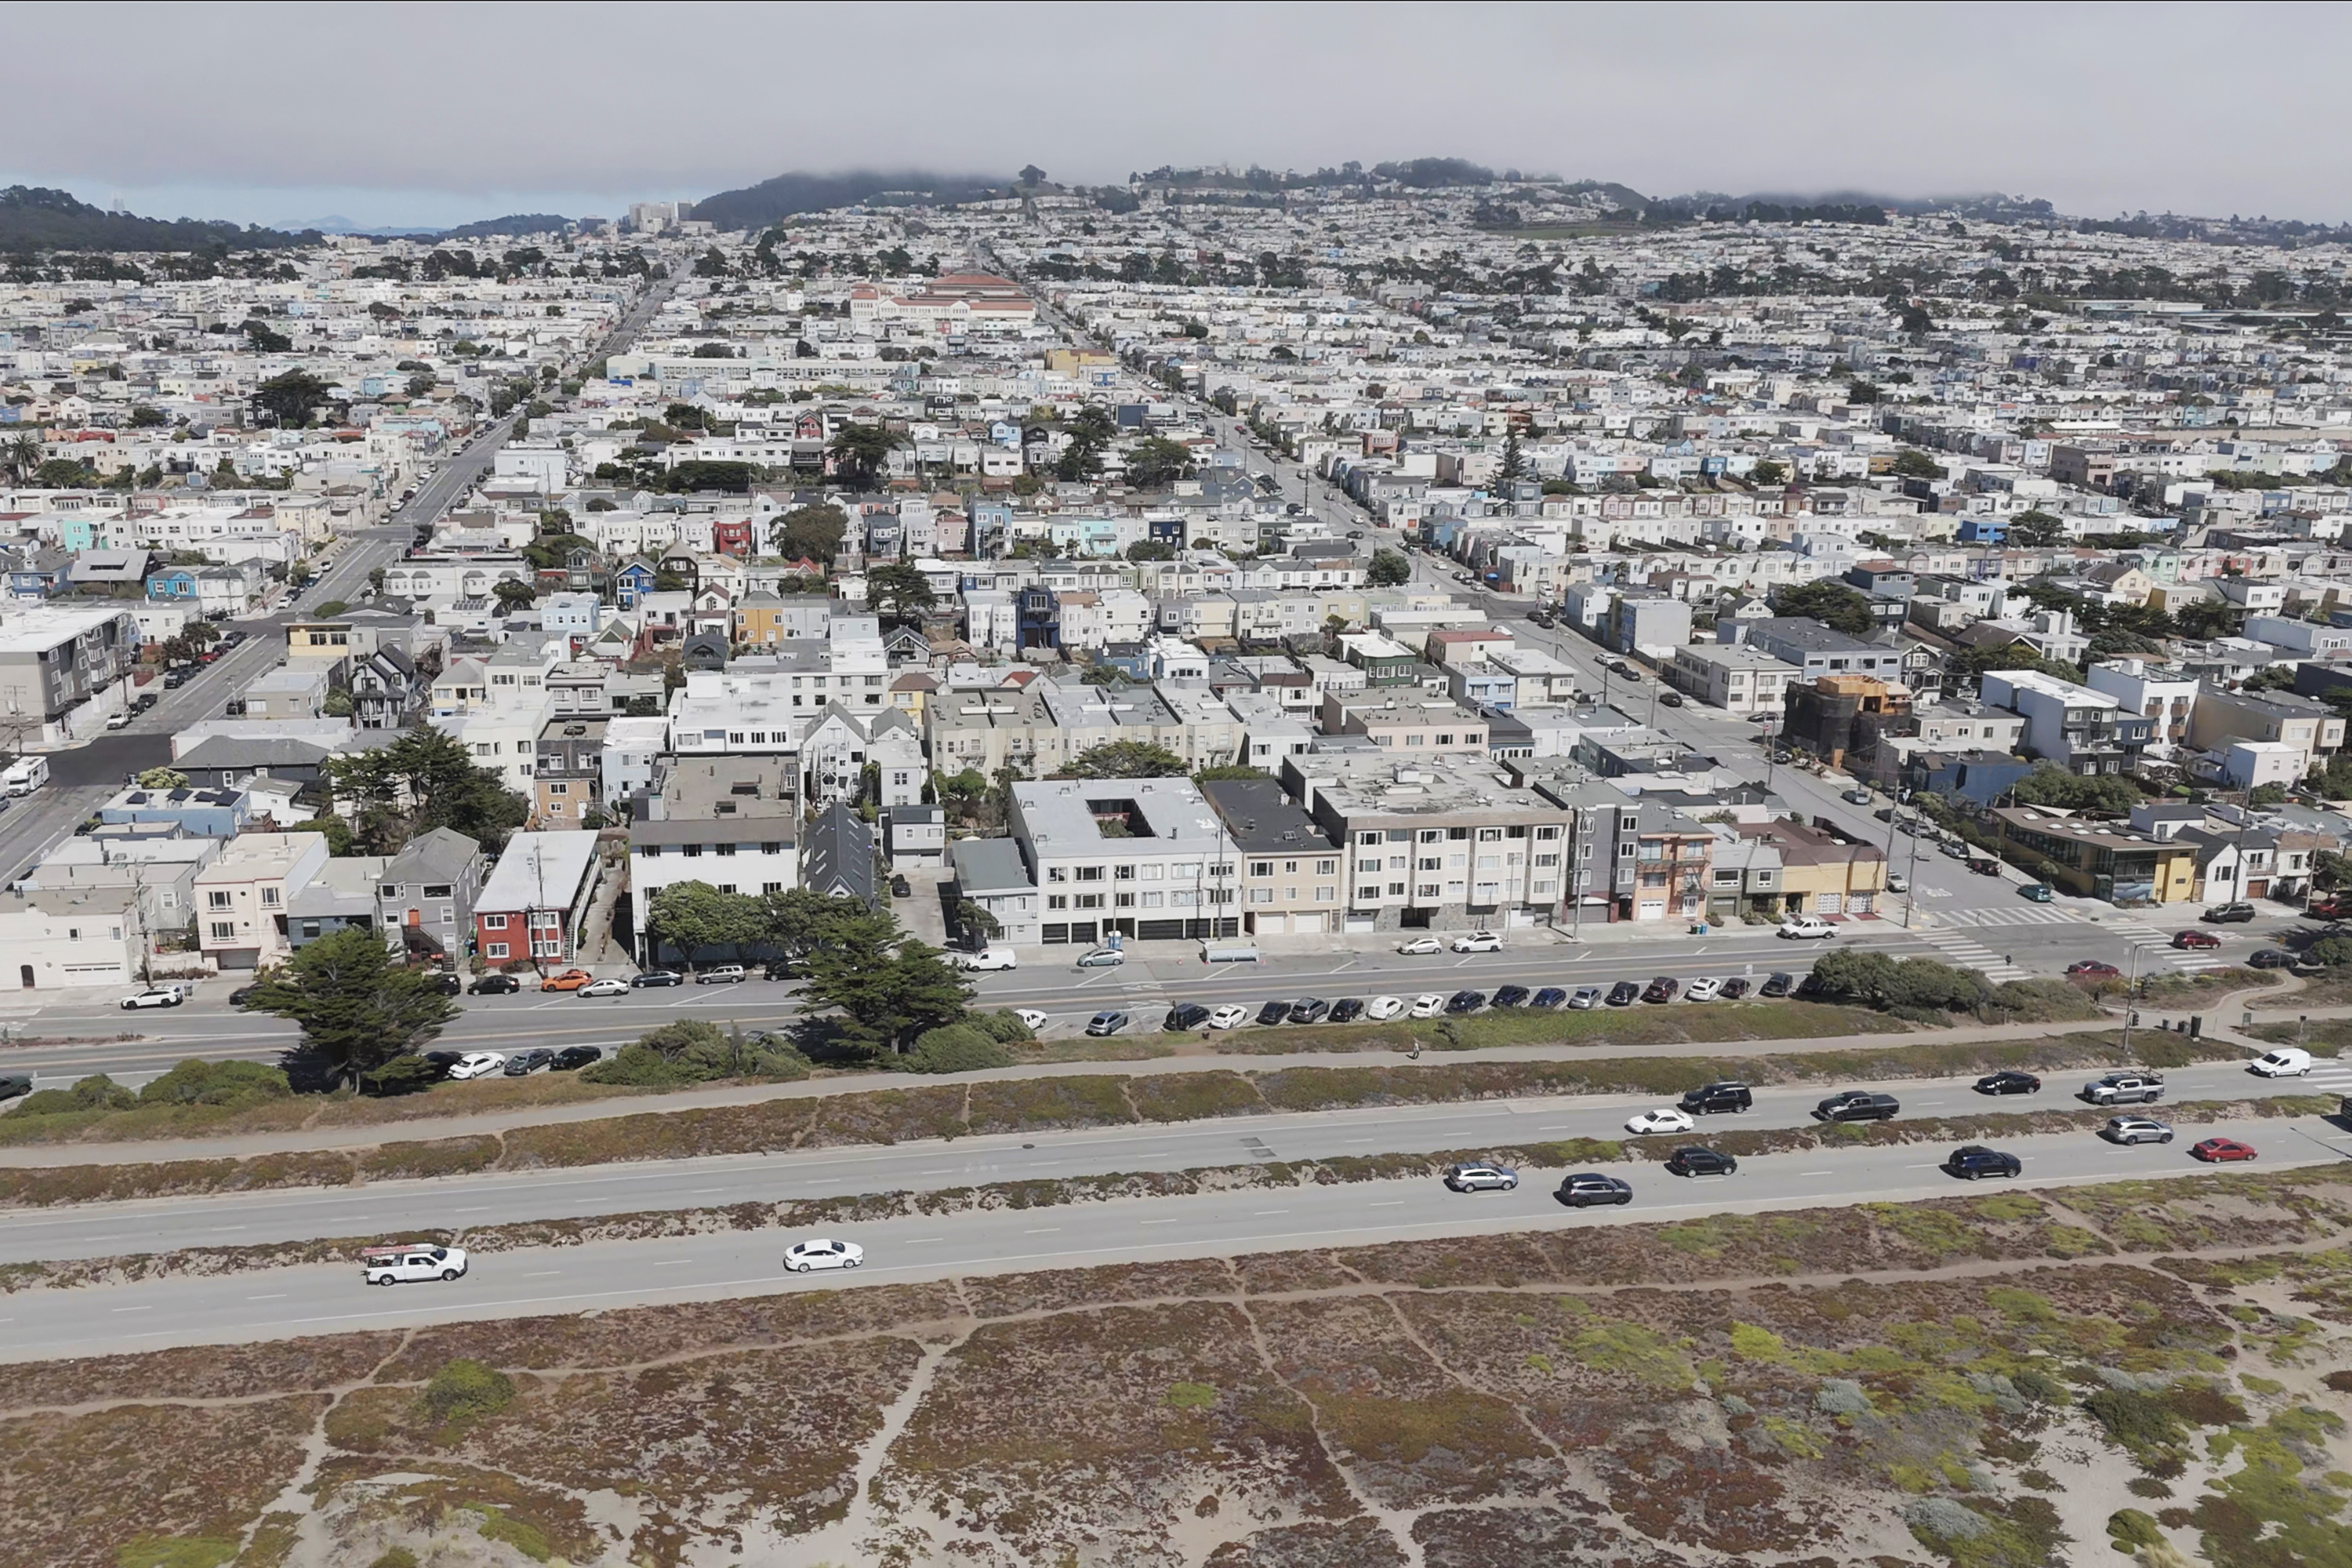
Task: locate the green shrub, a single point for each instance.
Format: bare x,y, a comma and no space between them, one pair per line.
97,1092
467,1390
674,1040
956,1047
231,1083
1003,1026
175,1552
394,1557
638,1066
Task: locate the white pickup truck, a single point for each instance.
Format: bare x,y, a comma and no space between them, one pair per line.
410,1261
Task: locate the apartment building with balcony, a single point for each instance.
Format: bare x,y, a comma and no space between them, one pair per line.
1291,877
1628,859
2079,729
2313,727
1148,859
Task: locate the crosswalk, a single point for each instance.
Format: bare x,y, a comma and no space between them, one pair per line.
2019,915
2188,961
2329,1078
1969,953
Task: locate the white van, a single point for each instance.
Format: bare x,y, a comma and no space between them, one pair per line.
2288,1061
988,958
1229,952
25,775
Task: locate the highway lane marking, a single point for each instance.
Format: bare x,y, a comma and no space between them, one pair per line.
543,1274
1160,1222
134,1309
1267,1213
1805,1174
281,1295
1043,1230
1388,1204
922,1241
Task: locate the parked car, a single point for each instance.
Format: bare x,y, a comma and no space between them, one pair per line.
1347,1009
2009,1080
1671,699
523,1064
1897,883
1228,1016
449,983
2272,958
1428,1004
2230,914
901,889
988,958
477,1063
1587,996
2328,910
1696,1162
1972,1161
608,986
1857,1105
1586,1188
1033,1018
2196,941
119,719
1465,1001
408,1262
1421,946
2221,1150
1718,1097
1481,1178
1705,988
1184,1015
1101,958
1733,989
495,985
723,975
1552,997
153,996
1804,928
570,1059
1856,797
174,679
1478,941
2288,1061
1275,1013
1776,984
818,1253
1663,988
2124,1088
1666,1119
2131,1130
1309,1010
1106,1023
653,978
1625,994
2092,969
1953,850
1511,996
570,980
1380,1009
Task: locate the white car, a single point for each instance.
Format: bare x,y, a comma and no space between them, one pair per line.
477,1064
607,987
410,1260
1667,1119
1428,1004
1800,927
2288,1061
819,1253
988,958
153,998
119,719
1478,941
1228,1016
1379,1009
1899,883
1031,1017
1421,946
1705,988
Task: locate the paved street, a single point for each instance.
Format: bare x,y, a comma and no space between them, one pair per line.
288,1302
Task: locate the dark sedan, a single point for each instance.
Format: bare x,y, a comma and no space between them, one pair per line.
1625,994
2272,958
1347,1009
1273,1013
1777,984
1511,997
1701,1162
523,1064
496,986
1309,1010
657,977
1585,1188
2009,1081
1466,1002
573,1058
1184,1015
1664,989
1550,996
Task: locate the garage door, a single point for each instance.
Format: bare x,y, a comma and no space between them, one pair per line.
1829,904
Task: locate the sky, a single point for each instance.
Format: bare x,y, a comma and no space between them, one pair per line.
432,114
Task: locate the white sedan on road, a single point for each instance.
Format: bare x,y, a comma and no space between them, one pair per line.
477,1064
606,987
1380,1009
152,998
1228,1016
1478,941
818,1253
1421,946
1664,1120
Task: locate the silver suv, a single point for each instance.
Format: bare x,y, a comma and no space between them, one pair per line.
2136,1129
1481,1178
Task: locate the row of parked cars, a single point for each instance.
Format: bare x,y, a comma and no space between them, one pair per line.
462,1065
1188,1016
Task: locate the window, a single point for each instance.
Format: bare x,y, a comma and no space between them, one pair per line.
1057,874
1371,864
1490,835
653,851
1261,867
1428,890
1415,739
694,851
1058,900
224,930
1090,900
1090,873
494,922
218,899
1221,868
269,898
1150,873
559,789
1547,832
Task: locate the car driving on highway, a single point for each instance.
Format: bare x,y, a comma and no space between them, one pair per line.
1585,1188
1667,1119
404,1262
818,1252
1481,1178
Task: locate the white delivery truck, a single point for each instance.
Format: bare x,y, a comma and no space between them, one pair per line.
25,775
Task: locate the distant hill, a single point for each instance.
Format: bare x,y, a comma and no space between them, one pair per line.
34,218
756,207
512,224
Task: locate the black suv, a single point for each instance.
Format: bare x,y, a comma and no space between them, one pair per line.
1664,989
1586,1188
1273,1013
1309,1010
1709,1098
495,985
1347,1009
1971,1160
1625,994
1701,1162
1776,985
2009,1081
1466,1002
1510,996
574,1057
1857,1105
1184,1015
523,1064
448,984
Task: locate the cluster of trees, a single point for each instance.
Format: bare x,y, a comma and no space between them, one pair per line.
422,781
810,533
1839,606
1090,436
1900,984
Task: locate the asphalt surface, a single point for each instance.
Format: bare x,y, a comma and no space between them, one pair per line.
101,1231
323,1298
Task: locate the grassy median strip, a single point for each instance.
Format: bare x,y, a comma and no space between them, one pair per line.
805,1214
885,1116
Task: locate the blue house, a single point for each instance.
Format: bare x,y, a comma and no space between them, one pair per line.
172,582
633,581
1039,618
39,575
1983,530
199,813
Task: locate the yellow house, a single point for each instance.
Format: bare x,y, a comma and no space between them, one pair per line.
1070,361
758,620
2099,860
910,692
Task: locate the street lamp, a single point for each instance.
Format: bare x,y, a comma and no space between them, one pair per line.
1771,728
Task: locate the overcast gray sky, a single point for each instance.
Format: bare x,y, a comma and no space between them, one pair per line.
436,114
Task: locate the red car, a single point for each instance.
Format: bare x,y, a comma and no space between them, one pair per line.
2328,910
2091,967
2220,1150
2195,939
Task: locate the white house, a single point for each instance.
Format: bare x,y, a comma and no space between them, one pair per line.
59,938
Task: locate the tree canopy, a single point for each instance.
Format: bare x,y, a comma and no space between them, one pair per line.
2076,792
1156,461
1124,759
859,452
697,918
288,399
1837,605
422,781
810,533
1389,568
357,1009
897,590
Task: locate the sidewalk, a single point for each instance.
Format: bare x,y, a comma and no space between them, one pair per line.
1184,1060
